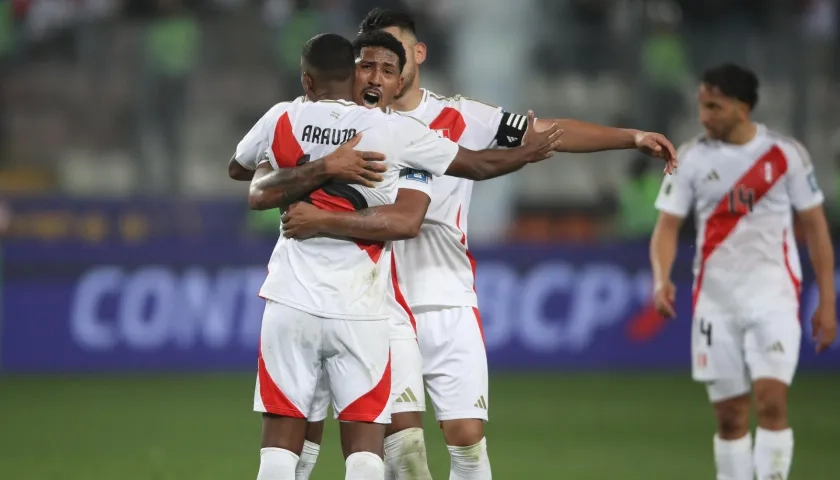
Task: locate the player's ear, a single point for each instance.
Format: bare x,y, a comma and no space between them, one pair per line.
400,84
419,52
306,82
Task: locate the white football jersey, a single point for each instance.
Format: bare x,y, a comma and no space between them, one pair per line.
436,268
338,277
747,262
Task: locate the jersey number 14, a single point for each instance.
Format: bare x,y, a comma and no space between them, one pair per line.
741,200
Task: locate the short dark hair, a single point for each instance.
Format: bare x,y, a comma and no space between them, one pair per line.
734,81
331,56
380,38
380,18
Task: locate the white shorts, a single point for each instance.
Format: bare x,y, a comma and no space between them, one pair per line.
297,348
729,354
451,343
407,394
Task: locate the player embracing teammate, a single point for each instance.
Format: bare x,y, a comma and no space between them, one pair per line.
434,272
326,319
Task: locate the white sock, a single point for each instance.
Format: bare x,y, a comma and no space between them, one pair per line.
773,453
470,463
277,464
308,457
405,456
733,458
364,466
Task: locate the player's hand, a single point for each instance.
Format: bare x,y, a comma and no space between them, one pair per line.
656,145
537,146
824,326
663,299
347,165
301,221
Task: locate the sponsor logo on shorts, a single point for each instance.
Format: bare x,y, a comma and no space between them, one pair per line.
481,403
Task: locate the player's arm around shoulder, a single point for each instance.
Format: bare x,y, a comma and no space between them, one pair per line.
275,187
494,162
400,220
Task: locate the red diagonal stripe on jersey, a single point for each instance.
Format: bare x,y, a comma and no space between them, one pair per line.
285,146
759,179
450,123
398,293
325,201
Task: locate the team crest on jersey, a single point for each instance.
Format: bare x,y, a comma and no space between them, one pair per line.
417,176
443,133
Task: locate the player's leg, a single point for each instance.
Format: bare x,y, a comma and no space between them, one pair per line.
358,368
455,370
311,450
314,430
718,361
405,447
287,375
772,355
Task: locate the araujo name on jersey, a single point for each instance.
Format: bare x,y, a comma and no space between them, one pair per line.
327,136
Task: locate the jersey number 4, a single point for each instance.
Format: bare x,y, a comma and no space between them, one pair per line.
741,200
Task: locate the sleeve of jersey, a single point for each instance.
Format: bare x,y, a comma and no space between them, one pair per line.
422,149
415,180
494,126
250,151
802,184
676,193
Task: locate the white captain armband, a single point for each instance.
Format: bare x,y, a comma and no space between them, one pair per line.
512,129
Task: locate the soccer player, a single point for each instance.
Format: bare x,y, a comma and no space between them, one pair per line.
742,180
438,270
325,296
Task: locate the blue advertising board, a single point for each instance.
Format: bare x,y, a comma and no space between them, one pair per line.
192,305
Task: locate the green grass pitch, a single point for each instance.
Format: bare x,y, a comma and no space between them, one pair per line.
552,426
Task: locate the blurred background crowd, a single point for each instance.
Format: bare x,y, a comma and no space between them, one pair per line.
148,98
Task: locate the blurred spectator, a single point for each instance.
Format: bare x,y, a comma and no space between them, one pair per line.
665,69
636,197
172,44
294,22
592,52
83,81
7,39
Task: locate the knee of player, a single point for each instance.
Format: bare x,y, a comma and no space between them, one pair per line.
462,433
732,422
771,409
